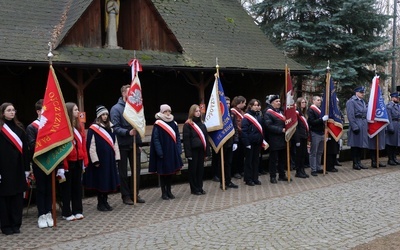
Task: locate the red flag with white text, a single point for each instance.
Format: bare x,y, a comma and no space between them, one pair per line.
290,107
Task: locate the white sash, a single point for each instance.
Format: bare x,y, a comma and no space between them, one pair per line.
237,113
78,135
253,120
103,133
199,133
36,124
303,120
167,129
315,108
278,115
16,141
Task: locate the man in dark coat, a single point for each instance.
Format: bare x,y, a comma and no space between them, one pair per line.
125,133
275,123
358,126
393,129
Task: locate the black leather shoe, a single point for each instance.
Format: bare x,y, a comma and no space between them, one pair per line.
396,161
391,163
139,200
164,197
273,180
231,185
283,178
257,182
321,171
337,163
203,192
332,170
250,183
16,230
381,165
356,167
197,193
300,175
314,173
127,201
362,166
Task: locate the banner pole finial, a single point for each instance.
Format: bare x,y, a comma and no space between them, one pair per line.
50,54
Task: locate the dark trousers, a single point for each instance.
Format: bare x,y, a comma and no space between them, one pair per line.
238,160
71,189
330,161
227,164
277,161
11,212
301,154
251,162
43,190
125,180
196,170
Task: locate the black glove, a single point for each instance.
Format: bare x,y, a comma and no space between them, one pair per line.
391,132
356,132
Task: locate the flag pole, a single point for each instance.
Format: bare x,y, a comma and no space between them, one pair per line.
53,174
327,95
377,135
287,143
134,170
222,148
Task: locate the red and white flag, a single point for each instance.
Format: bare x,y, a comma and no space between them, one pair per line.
134,110
290,107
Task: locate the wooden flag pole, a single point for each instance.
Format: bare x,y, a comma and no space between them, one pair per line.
53,198
327,95
377,150
222,169
134,171
287,143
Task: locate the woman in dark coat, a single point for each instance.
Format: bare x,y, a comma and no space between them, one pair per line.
14,166
102,147
300,137
165,150
196,148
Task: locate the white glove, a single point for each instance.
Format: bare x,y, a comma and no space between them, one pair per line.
298,144
27,174
61,175
249,147
234,147
190,158
0,178
325,118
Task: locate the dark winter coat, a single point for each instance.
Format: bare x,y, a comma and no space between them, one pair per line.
122,127
274,126
393,129
358,125
302,129
250,133
315,121
165,152
13,163
103,178
191,139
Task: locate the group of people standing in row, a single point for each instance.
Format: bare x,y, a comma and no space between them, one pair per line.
99,159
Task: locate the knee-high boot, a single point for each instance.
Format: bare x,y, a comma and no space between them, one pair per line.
354,155
164,195
168,180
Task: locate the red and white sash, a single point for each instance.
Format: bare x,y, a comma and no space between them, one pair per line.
276,114
199,133
13,137
316,109
36,124
254,121
103,133
167,129
77,135
303,120
237,113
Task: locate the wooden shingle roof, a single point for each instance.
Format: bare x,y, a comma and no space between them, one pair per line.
206,30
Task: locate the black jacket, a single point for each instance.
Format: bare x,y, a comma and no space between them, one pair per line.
315,122
250,133
274,127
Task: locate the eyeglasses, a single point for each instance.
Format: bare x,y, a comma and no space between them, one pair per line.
11,110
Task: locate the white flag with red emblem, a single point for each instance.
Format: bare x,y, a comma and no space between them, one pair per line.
134,110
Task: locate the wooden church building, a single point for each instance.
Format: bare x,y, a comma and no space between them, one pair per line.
178,43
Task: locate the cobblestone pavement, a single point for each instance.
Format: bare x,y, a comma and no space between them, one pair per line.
336,211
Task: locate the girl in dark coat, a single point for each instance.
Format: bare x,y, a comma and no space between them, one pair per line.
165,150
252,138
196,148
300,137
102,146
14,166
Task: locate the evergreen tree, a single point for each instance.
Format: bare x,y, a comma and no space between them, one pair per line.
349,33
